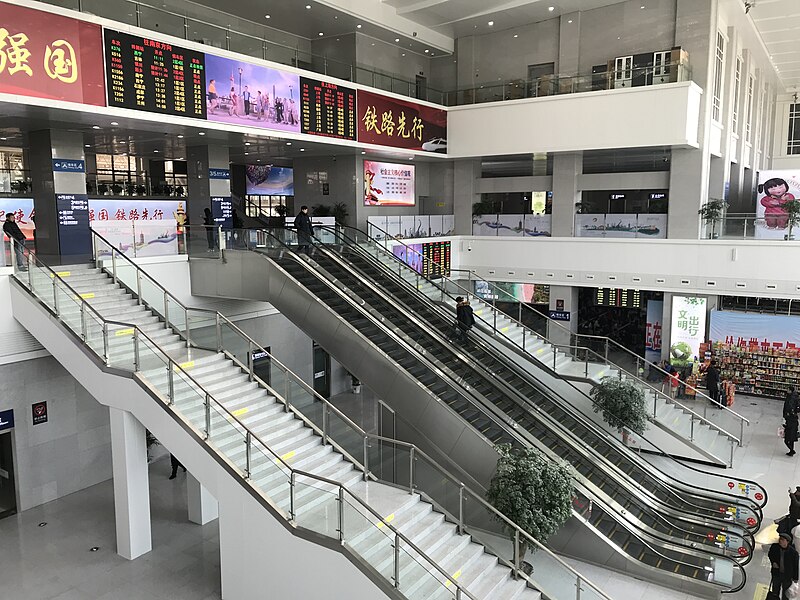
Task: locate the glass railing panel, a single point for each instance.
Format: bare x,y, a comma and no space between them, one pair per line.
243,44
203,329
303,400
121,346
152,295
126,272
345,434
161,21
433,483
550,576
93,328
69,306
228,436
369,538
419,578
269,474
177,316
209,35
234,343
390,462
202,242
316,506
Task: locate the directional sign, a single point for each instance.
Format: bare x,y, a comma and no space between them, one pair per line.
6,419
64,165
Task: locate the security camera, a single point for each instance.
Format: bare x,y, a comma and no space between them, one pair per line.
469,248
414,34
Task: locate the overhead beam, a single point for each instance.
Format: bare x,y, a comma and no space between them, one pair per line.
418,6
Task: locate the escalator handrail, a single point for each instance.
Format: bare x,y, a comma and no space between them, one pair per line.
329,281
756,506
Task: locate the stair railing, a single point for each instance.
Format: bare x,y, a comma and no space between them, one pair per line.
297,395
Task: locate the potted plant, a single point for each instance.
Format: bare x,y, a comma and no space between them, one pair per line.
622,405
711,212
340,213
792,209
533,492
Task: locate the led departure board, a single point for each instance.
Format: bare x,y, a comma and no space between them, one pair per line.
145,74
619,297
327,109
437,259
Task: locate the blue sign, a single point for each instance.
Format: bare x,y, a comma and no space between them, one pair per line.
64,165
6,419
73,224
222,211
219,173
560,315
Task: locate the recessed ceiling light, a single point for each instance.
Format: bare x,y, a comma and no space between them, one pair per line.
308,7
570,21
516,35
258,160
202,133
180,136
410,158
288,143
156,151
267,17
85,145
302,149
247,143
551,8
246,153
396,39
490,23
427,51
358,26
95,127
362,152
373,43
114,123
320,34
404,53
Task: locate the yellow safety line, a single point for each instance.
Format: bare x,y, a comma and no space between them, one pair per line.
240,412
386,521
60,274
541,351
456,575
124,331
187,365
87,295
761,591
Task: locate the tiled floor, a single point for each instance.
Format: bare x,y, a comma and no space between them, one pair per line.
54,562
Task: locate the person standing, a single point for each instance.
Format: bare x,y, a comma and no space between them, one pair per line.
783,566
305,230
465,318
175,464
211,230
790,408
712,383
16,239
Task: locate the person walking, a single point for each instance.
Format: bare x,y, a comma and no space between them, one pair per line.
175,464
16,239
465,318
790,408
211,230
305,230
783,566
712,383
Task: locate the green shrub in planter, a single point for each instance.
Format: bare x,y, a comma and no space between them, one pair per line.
531,490
622,404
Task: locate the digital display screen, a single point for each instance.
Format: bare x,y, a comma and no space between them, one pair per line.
388,184
266,180
437,259
73,224
144,74
327,109
618,297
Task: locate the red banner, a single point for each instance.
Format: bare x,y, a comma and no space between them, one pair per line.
392,122
50,56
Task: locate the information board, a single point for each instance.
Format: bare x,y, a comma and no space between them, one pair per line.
619,297
327,109
73,224
222,211
145,74
437,259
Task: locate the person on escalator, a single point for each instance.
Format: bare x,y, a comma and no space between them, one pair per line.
465,319
783,559
305,230
790,410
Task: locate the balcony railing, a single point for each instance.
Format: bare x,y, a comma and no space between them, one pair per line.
752,227
135,184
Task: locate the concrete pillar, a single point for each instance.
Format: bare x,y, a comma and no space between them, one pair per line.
201,188
465,180
49,148
569,44
131,485
203,506
563,299
566,168
688,191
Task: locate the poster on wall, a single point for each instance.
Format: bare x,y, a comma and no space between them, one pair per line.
401,123
388,184
653,330
687,330
101,209
411,255
775,188
49,56
139,238
23,213
268,180
748,329
242,93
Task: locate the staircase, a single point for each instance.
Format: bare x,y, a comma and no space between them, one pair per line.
403,539
710,441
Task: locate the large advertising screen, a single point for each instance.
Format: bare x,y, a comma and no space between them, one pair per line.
145,74
327,109
50,56
101,209
775,188
246,94
266,180
400,123
688,329
23,212
388,184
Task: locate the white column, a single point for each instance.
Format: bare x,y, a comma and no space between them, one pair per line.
465,193
203,506
563,298
566,169
131,485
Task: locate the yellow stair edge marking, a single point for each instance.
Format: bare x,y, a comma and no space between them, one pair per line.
124,331
184,366
288,456
60,274
87,295
761,591
386,521
541,351
240,412
456,575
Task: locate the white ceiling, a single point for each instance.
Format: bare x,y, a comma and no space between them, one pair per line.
778,23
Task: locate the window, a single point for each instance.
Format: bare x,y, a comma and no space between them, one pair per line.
736,85
748,113
719,66
793,146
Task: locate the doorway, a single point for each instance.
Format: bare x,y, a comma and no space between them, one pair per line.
322,371
422,87
8,490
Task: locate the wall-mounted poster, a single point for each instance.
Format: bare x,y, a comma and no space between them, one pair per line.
49,56
242,93
775,188
136,210
388,184
267,180
654,330
23,213
688,329
400,123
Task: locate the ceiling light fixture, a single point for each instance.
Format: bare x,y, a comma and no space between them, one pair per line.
156,151
320,34
202,133
308,7
95,127
302,149
363,152
396,40
404,53
491,23
570,21
516,35
551,8
114,123
358,26
288,143
427,51
180,136
267,17
85,145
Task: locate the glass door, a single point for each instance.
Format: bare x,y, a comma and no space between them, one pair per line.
8,490
322,371
623,71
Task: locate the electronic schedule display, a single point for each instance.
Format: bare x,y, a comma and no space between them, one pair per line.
144,74
327,109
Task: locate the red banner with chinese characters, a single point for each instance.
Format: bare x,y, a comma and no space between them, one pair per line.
392,122
50,56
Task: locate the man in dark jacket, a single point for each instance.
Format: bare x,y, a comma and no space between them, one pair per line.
464,318
305,230
16,238
790,408
783,565
712,382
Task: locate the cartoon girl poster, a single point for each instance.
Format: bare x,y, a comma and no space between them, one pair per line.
775,188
